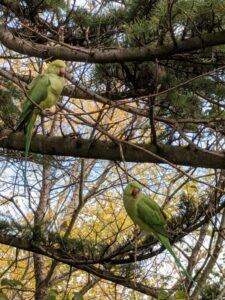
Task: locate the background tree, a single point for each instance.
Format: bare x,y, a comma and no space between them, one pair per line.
144,100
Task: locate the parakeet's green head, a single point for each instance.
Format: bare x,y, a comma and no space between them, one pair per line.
57,67
133,189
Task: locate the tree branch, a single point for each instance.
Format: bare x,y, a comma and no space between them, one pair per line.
109,55
78,147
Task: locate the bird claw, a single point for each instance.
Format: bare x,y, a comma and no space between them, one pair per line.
46,112
136,231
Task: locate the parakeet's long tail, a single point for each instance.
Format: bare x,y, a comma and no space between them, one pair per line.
29,130
23,119
165,241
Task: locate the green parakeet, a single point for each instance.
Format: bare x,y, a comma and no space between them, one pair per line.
147,214
44,91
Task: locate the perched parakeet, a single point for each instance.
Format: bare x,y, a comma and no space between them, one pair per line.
147,214
44,90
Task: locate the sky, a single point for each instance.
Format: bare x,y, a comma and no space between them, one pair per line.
80,2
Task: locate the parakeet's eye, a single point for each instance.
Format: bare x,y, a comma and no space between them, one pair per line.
62,72
135,191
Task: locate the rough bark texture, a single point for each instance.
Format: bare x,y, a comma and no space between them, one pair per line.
109,55
78,147
39,261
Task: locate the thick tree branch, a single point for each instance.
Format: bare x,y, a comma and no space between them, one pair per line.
78,147
39,214
109,55
61,256
30,246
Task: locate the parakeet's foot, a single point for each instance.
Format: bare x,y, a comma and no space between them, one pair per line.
136,231
47,112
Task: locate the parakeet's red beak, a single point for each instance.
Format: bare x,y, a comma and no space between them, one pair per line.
135,191
62,72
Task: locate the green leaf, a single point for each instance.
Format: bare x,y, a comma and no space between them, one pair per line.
78,296
10,282
181,295
162,295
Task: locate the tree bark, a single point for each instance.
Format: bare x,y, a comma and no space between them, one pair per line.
115,55
142,153
39,262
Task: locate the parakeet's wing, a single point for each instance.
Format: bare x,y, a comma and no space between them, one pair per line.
38,91
150,213
38,88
